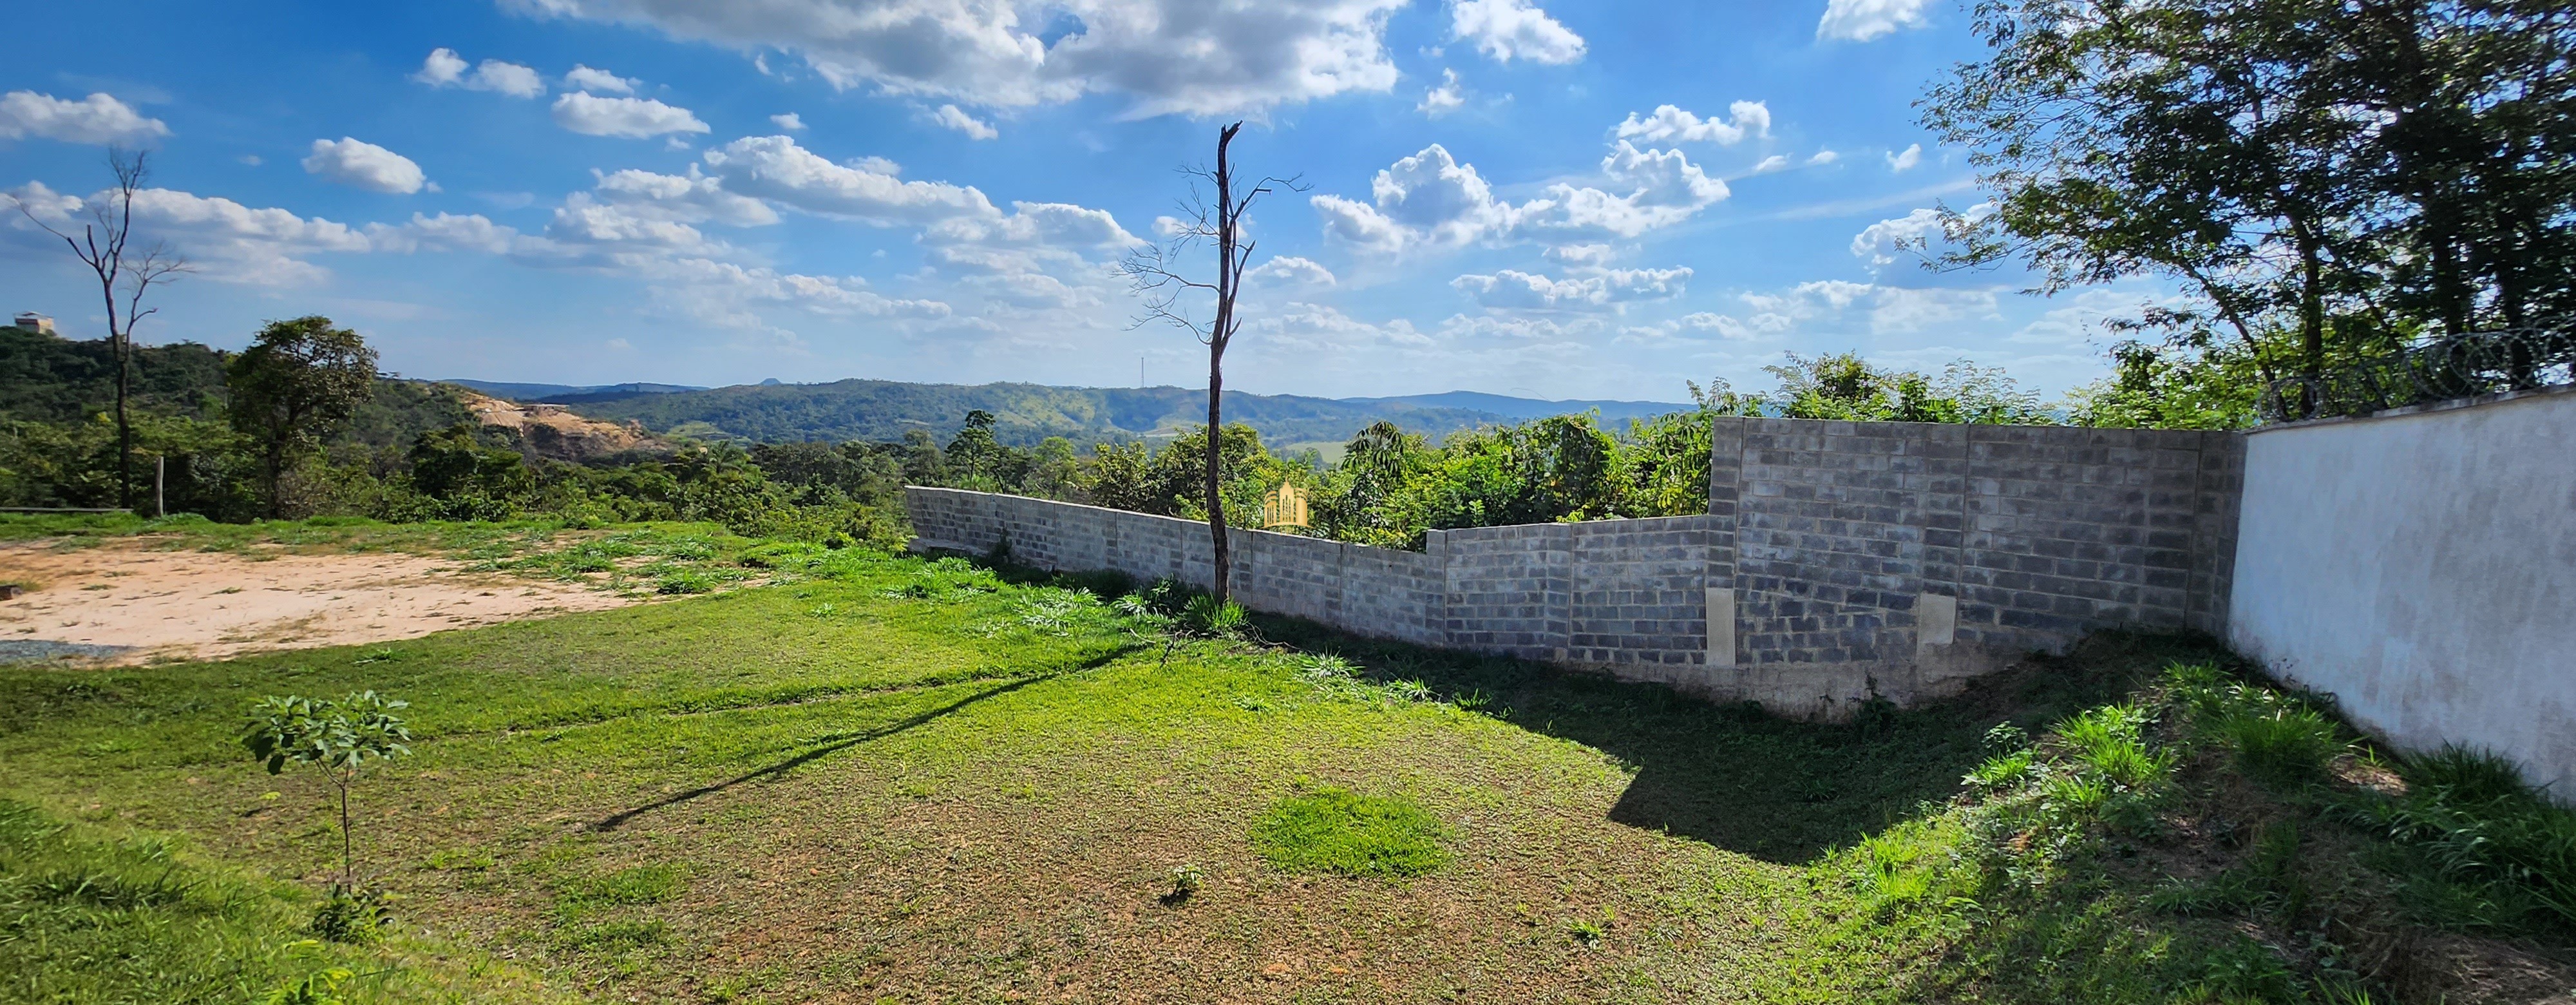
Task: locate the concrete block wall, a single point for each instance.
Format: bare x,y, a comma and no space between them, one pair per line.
1837,560
1902,558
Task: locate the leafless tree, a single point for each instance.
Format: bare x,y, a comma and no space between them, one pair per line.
125,274
1156,272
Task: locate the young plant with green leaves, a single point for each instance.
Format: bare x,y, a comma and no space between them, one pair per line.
338,739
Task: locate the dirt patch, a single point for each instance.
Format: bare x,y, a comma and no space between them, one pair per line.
156,605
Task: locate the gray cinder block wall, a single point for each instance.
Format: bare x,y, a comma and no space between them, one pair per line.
1837,560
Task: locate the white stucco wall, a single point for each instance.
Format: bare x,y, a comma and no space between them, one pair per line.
2422,568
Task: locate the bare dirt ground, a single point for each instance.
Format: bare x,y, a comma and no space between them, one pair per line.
160,605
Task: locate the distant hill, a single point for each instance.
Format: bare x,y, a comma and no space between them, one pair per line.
1613,413
1027,413
544,392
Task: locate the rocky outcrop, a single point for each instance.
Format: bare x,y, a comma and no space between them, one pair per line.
550,431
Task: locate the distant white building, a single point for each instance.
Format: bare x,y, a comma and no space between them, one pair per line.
38,323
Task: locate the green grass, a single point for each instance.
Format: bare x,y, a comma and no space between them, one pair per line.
88,918
885,777
1337,832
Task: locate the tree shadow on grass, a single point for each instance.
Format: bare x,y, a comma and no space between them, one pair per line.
830,745
1738,778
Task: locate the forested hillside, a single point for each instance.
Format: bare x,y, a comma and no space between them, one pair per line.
58,381
883,410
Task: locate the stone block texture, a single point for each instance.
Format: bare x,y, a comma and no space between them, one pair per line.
1826,535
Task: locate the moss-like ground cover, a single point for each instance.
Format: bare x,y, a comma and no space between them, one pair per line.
890,779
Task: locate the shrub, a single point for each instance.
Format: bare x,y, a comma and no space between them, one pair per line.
351,916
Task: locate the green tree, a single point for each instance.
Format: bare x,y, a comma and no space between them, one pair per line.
339,739
298,380
2323,177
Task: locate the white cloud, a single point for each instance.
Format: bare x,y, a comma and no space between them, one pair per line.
875,163
1824,157
1291,271
1906,159
1169,56
1426,199
726,295
789,121
98,118
1663,188
1510,289
775,168
444,232
1669,122
633,118
230,242
1879,242
1862,20
1034,224
249,159
359,164
584,78
1901,310
1429,200
1443,99
1772,163
1583,256
1509,29
1314,328
953,117
444,68
689,198
1915,231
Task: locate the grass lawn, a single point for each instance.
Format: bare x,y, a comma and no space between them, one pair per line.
882,779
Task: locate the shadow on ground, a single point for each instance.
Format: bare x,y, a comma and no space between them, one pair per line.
1734,776
1738,778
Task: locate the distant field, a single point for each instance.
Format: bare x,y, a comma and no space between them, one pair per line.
884,779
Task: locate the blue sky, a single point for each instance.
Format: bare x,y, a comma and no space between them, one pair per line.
1517,196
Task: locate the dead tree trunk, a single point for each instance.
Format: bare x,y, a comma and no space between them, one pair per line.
1153,272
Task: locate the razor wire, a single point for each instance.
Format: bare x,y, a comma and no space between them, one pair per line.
2458,366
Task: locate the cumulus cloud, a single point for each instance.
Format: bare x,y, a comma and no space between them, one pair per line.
1824,157
1443,99
1662,188
230,242
1905,160
1426,199
98,118
633,118
584,78
953,117
1862,20
1513,29
775,168
444,68
1669,122
690,198
789,121
359,164
1510,289
1878,243
1430,200
1168,56
1772,163
1291,271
